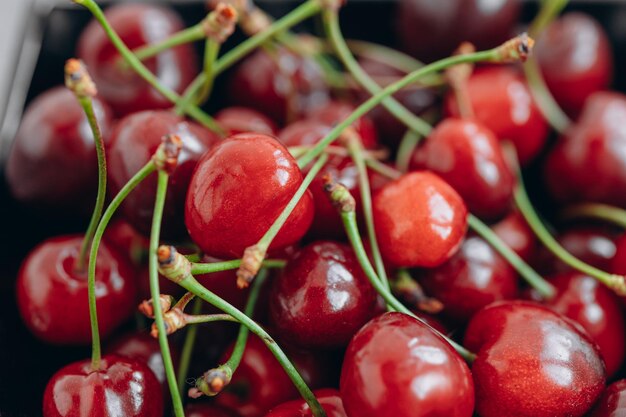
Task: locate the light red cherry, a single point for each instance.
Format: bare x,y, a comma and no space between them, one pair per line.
329,399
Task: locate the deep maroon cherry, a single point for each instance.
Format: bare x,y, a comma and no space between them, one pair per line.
123,236
468,156
121,387
238,190
322,298
53,158
501,101
207,410
612,403
137,25
420,220
618,263
588,163
395,366
336,111
244,120
575,57
52,294
329,399
133,142
474,277
531,361
517,234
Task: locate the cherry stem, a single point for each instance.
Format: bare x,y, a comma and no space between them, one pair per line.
207,268
211,50
208,318
411,292
598,211
383,169
192,110
384,55
409,142
549,10
185,357
149,168
189,35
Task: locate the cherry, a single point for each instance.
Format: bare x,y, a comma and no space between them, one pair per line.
237,191
336,111
618,263
303,132
322,298
612,403
575,57
474,277
395,366
49,286
468,156
121,387
515,232
207,410
502,102
53,158
587,163
137,25
123,236
133,142
420,220
531,361
242,120
329,399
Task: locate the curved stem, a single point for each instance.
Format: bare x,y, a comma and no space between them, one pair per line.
599,211
385,55
207,268
191,34
185,356
208,318
409,142
383,169
547,13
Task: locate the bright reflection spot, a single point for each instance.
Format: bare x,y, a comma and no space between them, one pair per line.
520,102
337,277
441,214
423,385
488,7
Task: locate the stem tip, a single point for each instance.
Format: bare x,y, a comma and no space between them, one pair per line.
166,156
78,80
251,262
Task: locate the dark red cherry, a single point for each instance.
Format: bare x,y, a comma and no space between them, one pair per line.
588,163
133,142
137,25
395,366
431,31
474,277
531,361
618,263
305,132
53,157
123,236
502,102
207,410
468,156
329,399
121,387
336,112
283,85
575,57
612,403
515,232
49,287
322,298
244,120
420,220
237,191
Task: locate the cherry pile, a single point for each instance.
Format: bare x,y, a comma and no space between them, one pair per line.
350,233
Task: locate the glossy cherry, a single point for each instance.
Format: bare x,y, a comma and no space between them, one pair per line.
237,191
335,112
612,403
515,232
49,286
322,298
133,142
137,25
329,399
575,57
618,263
207,410
468,156
123,236
474,277
395,367
53,157
502,102
531,361
588,163
244,120
121,387
420,220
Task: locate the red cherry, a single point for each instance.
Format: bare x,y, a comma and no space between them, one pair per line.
329,399
336,111
588,163
122,387
395,366
123,236
53,158
137,25
612,403
237,191
322,298
517,235
503,103
243,120
474,277
618,263
532,362
575,57
303,132
133,142
48,287
420,220
468,156
207,410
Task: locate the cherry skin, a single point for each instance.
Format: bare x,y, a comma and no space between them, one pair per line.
618,263
336,112
517,234
137,25
502,102
237,191
574,54
473,278
207,410
243,120
123,236
468,156
587,164
121,387
48,286
612,403
53,158
395,366
322,298
531,361
329,399
420,220
133,143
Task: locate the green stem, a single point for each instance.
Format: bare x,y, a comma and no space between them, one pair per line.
207,268
385,55
211,50
604,212
191,34
549,10
185,356
208,318
409,142
382,169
